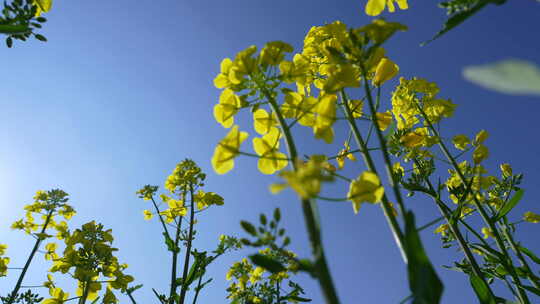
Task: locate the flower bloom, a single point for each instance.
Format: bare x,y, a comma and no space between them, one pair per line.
366,188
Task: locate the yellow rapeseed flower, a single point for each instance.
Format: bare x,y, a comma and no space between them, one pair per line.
366,188
384,120
227,150
480,153
461,141
228,106
531,217
375,7
267,147
386,70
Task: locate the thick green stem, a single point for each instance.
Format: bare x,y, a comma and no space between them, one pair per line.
15,291
86,290
368,160
309,209
183,290
522,295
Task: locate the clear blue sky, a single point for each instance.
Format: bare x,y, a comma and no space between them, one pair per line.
123,91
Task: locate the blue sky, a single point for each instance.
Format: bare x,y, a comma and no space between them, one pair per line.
122,92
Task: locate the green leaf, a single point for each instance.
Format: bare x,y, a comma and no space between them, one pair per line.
457,19
490,253
511,76
40,37
262,219
530,254
13,29
267,263
277,215
169,242
424,283
481,289
248,227
509,205
534,290
298,299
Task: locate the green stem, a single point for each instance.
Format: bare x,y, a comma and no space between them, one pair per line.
160,218
384,148
459,237
309,209
183,290
15,291
386,207
520,256
131,298
197,290
86,289
175,252
498,239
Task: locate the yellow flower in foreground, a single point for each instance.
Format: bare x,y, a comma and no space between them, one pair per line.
263,122
384,119
461,142
531,217
3,266
480,153
267,147
386,70
227,149
506,170
375,7
366,188
58,296
228,106
3,249
147,215
42,6
481,137
487,232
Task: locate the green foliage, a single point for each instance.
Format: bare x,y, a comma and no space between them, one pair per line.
19,20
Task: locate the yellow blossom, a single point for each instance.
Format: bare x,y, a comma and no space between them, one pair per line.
229,104
487,232
274,52
386,70
148,215
481,137
461,142
356,105
366,188
531,217
384,120
506,170
375,7
267,147
263,121
227,150
480,153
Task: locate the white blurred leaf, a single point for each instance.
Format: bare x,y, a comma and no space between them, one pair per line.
511,76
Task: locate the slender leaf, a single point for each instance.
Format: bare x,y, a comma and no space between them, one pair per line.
481,289
248,227
509,205
267,263
534,290
530,254
424,283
